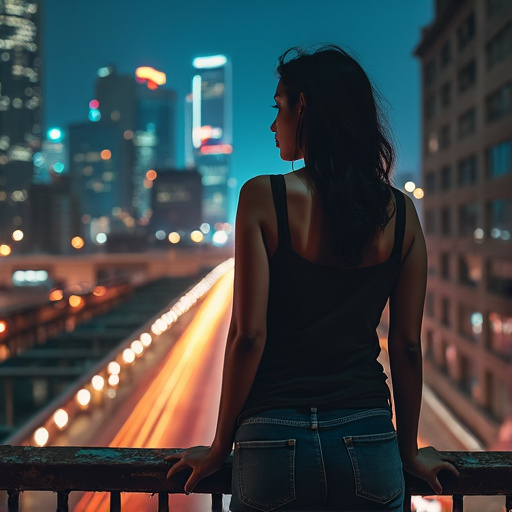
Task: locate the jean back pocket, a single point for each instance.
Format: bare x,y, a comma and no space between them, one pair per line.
377,466
266,473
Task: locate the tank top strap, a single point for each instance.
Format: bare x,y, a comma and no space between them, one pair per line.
399,224
279,195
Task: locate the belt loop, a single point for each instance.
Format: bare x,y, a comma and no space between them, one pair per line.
314,419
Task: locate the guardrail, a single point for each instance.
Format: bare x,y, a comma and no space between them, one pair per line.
115,470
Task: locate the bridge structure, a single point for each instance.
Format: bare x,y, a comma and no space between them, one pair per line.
155,390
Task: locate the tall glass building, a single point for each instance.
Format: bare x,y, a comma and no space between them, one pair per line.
20,110
211,132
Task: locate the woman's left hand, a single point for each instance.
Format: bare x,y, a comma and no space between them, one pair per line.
200,459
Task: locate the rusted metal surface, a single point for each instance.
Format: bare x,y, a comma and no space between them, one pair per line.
64,469
482,473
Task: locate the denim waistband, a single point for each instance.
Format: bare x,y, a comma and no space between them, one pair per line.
313,418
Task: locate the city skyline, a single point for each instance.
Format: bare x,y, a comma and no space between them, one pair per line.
382,35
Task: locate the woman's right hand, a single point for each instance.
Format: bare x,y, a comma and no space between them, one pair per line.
427,464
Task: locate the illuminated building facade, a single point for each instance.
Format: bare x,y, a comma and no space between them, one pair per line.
132,122
211,112
466,56
176,200
20,110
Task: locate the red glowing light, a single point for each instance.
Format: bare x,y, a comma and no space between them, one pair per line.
218,149
94,104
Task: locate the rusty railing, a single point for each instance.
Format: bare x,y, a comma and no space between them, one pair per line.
116,470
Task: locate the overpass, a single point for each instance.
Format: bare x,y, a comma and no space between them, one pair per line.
90,269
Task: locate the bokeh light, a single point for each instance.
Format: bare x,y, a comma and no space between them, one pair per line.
77,242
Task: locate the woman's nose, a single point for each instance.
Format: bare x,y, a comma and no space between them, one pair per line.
273,127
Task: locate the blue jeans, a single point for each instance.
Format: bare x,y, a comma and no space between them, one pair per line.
344,460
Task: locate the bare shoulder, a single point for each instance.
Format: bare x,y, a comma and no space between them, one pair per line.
413,229
255,195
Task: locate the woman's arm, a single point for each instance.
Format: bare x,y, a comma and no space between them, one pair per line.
406,312
246,335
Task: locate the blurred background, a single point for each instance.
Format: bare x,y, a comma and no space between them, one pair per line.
128,128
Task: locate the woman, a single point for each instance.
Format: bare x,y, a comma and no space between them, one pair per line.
318,253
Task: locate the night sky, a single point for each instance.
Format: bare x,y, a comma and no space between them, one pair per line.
81,36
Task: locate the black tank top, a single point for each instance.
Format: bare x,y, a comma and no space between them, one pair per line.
322,347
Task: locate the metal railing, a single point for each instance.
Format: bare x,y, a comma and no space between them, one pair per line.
143,470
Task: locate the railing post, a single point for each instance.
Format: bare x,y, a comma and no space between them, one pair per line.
13,501
62,501
508,503
216,502
163,502
407,500
458,503
115,501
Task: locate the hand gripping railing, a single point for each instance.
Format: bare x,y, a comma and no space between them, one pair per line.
115,470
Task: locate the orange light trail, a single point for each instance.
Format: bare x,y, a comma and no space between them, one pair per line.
157,420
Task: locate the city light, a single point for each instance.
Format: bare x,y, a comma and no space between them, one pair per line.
98,382
114,368
410,186
160,234
219,238
3,326
106,154
94,115
213,61
217,149
77,242
54,134
94,104
56,295
196,111
128,355
5,250
113,380
58,167
18,235
137,347
83,397
154,78
41,436
60,418
146,339
101,238
75,301
99,291
418,193
196,236
151,175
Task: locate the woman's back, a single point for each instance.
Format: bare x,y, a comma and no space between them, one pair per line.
311,234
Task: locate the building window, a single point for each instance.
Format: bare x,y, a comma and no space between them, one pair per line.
430,222
446,221
446,178
468,216
430,182
500,219
446,94
498,397
445,311
428,345
444,263
444,136
430,106
470,270
430,72
446,54
467,76
500,339
466,31
499,103
500,277
499,159
467,123
500,46
470,322
467,171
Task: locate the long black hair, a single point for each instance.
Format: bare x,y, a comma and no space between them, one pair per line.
341,134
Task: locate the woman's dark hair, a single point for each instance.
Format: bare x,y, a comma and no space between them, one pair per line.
347,153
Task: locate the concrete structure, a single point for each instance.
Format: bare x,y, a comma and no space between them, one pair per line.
466,56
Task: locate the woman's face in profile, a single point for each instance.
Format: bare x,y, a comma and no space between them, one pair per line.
285,125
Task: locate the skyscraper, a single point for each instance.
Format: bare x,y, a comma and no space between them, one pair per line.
20,109
131,130
212,132
466,56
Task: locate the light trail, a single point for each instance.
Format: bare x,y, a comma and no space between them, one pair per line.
180,405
